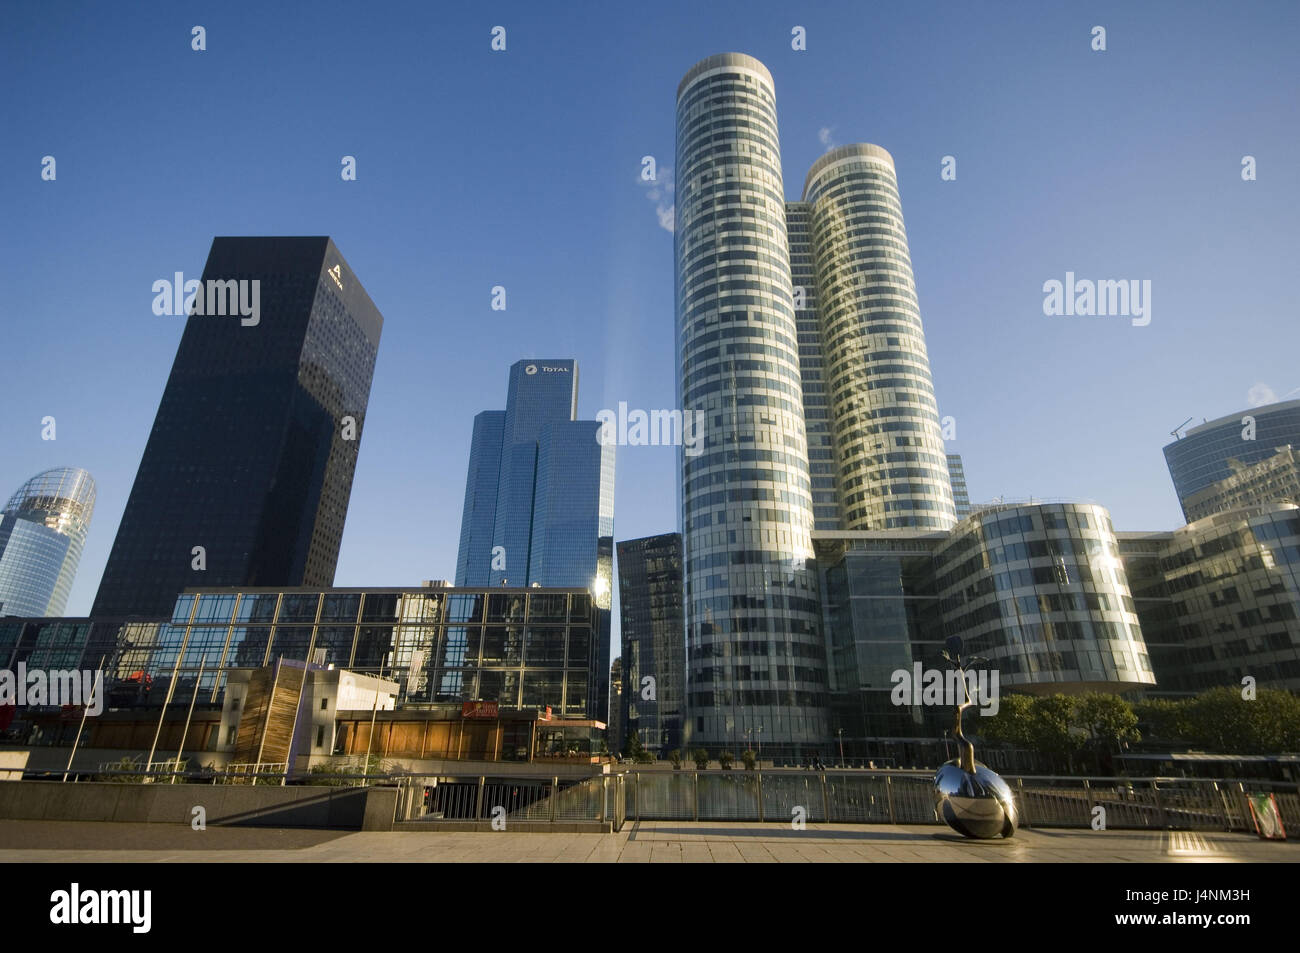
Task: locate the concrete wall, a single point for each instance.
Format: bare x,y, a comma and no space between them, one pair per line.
226,804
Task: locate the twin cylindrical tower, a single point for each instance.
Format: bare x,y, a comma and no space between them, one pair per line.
756,655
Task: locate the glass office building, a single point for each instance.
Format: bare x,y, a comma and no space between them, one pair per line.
756,663
1041,592
1275,479
812,370
892,471
539,493
652,621
1233,580
1203,454
42,532
957,477
255,442
1037,590
539,497
520,648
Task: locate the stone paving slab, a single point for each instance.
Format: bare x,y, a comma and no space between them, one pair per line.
639,842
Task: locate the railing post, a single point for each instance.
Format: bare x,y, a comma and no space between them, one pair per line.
604,793
1024,811
1223,804
555,796
478,801
695,799
889,796
638,796
1160,805
826,798
760,797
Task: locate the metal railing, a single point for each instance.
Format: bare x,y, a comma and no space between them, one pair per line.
599,799
907,798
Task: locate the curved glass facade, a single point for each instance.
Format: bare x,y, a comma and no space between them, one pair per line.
1041,592
892,470
756,666
1201,456
1234,580
42,531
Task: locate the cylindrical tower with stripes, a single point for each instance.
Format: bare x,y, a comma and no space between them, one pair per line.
891,468
756,660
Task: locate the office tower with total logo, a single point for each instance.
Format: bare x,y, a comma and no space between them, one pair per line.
247,473
799,336
539,499
42,531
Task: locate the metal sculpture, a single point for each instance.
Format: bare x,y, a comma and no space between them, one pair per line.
969,796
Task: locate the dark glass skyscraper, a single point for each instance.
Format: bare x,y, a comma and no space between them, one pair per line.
650,610
255,442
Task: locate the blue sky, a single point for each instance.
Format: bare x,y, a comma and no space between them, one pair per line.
521,168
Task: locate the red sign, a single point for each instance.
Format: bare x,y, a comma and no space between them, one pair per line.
479,710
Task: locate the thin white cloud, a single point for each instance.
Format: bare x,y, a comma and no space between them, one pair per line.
825,138
1260,394
660,192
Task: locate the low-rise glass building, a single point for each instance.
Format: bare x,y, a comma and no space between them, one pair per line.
1038,590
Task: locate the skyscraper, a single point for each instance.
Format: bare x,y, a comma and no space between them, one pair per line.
539,494
42,531
539,497
799,335
957,477
246,475
654,663
891,468
756,661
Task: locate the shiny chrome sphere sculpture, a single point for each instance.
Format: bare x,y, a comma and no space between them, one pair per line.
969,796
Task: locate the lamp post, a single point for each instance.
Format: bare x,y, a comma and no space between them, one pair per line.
840,732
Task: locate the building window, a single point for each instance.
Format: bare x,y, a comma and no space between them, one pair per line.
231,733
324,704
320,737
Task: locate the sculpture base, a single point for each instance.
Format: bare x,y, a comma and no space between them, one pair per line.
978,805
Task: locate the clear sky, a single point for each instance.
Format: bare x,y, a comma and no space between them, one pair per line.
521,168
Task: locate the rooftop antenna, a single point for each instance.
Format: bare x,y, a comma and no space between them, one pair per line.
1177,431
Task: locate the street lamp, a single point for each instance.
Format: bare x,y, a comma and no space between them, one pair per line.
840,732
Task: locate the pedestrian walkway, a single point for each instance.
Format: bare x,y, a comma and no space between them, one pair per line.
644,842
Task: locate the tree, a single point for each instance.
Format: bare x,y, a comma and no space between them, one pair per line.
632,747
1107,721
1166,720
1221,720
1012,725
1051,729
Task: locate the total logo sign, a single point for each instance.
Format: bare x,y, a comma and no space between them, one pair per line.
532,369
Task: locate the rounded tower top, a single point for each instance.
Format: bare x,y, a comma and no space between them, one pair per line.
65,490
717,60
840,153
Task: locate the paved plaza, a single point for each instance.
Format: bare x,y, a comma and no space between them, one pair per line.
644,842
